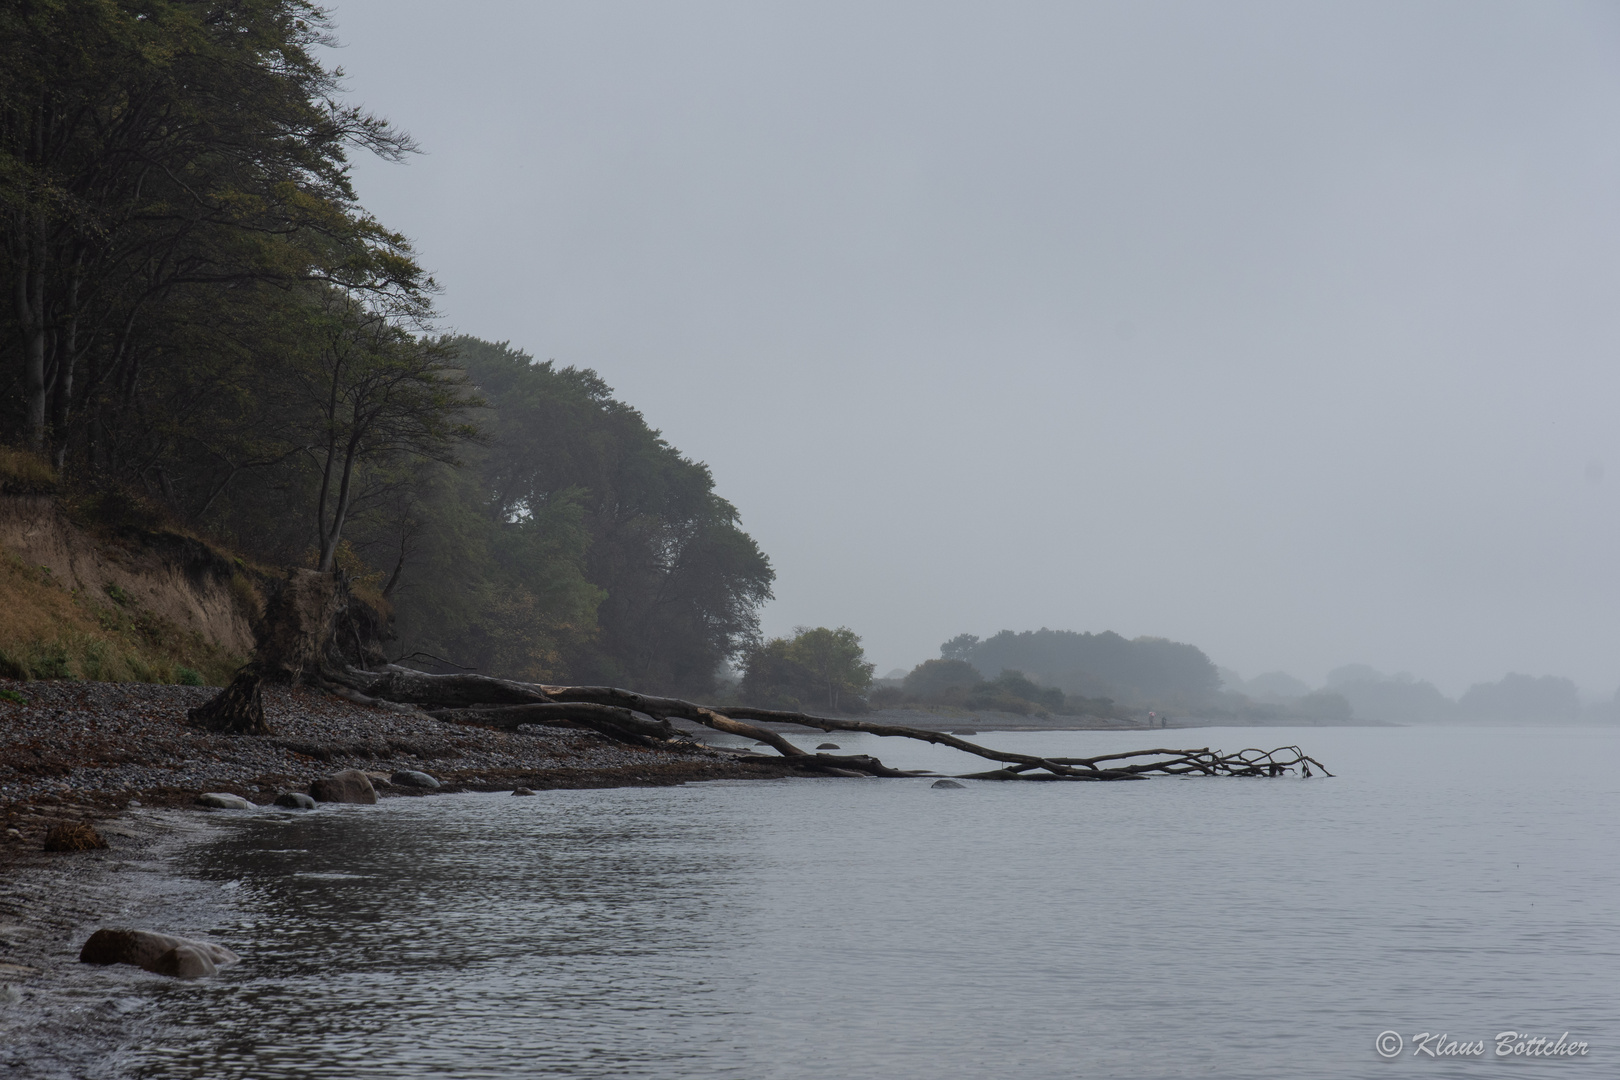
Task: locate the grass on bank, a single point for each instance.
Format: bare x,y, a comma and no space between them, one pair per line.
48,631
25,473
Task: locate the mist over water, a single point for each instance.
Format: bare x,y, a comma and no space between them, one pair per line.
1449,879
1283,330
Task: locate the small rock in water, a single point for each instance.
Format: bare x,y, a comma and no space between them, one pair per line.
159,953
348,786
295,800
223,800
9,995
413,778
829,746
73,836
945,784
522,791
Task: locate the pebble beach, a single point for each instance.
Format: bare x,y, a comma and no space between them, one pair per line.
121,757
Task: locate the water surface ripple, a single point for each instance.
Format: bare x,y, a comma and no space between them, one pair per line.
1446,879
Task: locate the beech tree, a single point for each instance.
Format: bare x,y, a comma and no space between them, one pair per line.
203,325
156,147
378,397
611,554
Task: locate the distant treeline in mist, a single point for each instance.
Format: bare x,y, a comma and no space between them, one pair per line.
1106,674
824,669
1057,672
1404,699
1099,665
205,330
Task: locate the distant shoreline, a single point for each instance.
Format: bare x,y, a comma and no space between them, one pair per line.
999,721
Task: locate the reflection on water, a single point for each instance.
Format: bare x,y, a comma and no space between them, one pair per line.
1455,880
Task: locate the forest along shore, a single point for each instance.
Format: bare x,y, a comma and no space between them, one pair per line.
77,751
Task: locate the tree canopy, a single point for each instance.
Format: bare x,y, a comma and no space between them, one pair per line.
203,319
1095,665
816,668
609,554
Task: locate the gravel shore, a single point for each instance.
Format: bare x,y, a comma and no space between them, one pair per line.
121,756
81,750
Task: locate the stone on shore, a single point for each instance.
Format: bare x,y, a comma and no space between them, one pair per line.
73,836
413,778
348,786
522,791
945,784
295,800
829,746
162,954
223,800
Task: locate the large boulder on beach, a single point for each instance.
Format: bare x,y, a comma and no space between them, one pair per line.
413,778
295,800
348,786
163,954
223,800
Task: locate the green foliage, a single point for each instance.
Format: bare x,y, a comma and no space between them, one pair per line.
772,679
161,158
836,660
50,661
933,677
186,677
573,542
1015,685
116,594
13,697
210,330
1094,665
817,668
954,683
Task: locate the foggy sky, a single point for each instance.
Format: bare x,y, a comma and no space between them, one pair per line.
1286,330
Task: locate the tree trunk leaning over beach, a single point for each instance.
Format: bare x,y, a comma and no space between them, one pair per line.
616,713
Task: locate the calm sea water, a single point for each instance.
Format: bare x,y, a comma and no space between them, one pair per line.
1446,880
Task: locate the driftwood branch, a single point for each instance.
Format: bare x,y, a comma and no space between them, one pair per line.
644,719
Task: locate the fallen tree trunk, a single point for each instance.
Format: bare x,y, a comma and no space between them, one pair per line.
616,713
617,723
